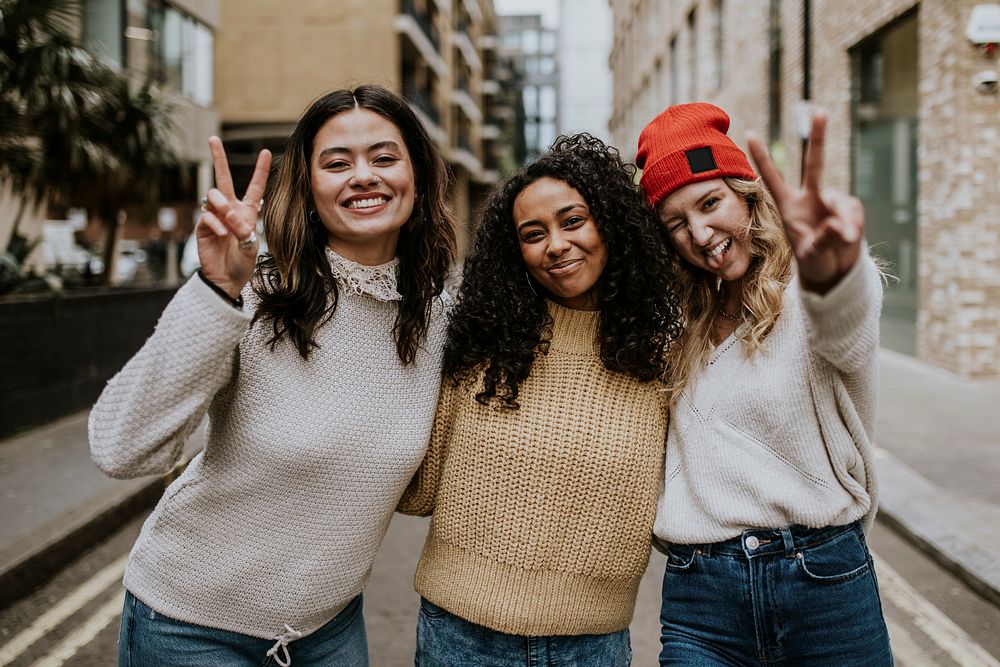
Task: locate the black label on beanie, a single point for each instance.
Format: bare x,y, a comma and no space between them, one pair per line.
701,159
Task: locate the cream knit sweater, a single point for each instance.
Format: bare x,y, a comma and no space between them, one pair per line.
278,520
782,437
542,516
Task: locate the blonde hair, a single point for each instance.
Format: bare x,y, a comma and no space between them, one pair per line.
763,287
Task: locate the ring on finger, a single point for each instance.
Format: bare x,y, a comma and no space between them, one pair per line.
259,204
247,243
204,204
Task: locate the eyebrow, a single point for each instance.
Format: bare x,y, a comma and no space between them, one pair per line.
339,150
563,210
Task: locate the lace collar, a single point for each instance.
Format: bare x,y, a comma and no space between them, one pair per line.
378,282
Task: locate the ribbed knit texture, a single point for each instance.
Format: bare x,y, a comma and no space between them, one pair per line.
665,141
784,437
543,515
278,520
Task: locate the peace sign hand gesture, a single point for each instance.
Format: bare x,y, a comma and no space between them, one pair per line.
227,230
824,227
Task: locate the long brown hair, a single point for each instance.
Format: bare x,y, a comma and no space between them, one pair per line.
763,286
297,291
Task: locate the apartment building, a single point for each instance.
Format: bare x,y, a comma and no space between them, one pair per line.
913,133
533,51
273,59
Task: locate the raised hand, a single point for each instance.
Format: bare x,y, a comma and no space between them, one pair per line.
227,230
824,227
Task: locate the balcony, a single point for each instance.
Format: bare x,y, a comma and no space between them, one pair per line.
422,99
424,20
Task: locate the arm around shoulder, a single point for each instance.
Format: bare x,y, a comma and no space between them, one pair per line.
146,412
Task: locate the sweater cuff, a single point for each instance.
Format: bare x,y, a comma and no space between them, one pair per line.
850,307
207,295
237,302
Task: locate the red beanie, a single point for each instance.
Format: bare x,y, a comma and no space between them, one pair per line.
685,144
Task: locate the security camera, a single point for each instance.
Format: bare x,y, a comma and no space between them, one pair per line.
986,82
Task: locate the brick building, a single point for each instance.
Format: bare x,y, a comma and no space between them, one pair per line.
910,133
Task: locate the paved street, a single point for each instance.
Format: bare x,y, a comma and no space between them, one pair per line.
934,620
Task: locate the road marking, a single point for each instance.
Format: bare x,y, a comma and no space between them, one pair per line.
905,651
66,607
938,628
103,616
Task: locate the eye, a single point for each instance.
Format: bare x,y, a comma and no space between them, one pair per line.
386,160
573,221
337,165
709,203
531,235
674,226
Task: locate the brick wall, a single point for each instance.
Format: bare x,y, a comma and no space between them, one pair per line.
57,353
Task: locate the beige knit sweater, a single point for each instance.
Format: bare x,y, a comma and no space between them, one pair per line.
542,516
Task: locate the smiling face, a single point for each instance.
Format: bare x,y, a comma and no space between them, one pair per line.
560,242
362,184
709,225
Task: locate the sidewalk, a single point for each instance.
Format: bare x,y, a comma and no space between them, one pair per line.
937,456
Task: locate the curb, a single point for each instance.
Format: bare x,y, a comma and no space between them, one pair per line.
34,560
962,535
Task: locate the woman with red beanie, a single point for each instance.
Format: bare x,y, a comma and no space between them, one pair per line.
769,480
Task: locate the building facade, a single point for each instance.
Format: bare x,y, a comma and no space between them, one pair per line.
273,59
913,133
584,75
533,51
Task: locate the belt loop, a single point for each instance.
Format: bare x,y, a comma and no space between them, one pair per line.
786,537
706,549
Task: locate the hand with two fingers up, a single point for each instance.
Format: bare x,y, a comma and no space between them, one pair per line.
227,230
824,227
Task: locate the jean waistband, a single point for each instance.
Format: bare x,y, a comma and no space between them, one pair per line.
770,541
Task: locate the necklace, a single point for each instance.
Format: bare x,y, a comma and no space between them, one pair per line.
728,316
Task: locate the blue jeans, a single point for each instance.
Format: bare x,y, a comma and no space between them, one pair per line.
789,596
445,640
149,639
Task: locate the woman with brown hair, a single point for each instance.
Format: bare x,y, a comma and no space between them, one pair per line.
319,368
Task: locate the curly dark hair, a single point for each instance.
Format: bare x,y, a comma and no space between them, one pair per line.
499,322
298,293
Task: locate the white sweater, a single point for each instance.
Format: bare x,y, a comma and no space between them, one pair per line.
278,520
783,437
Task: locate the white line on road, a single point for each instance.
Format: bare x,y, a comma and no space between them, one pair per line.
68,606
103,616
937,627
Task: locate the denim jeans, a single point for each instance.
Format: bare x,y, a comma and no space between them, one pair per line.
149,639
789,596
445,640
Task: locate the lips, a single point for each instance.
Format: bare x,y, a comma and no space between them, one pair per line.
563,266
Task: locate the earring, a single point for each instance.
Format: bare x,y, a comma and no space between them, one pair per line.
312,215
530,284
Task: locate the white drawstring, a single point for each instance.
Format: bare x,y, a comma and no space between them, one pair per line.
281,643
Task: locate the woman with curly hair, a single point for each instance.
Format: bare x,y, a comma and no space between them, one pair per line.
546,455
769,475
319,368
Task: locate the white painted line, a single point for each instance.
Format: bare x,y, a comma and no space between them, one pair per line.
905,651
938,628
83,635
66,607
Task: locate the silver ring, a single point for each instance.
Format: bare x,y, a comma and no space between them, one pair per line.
204,204
247,243
259,204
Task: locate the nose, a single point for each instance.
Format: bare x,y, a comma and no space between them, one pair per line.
364,176
558,244
701,232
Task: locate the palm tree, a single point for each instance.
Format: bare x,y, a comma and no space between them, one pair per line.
72,130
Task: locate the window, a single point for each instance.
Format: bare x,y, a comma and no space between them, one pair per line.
185,55
103,30
692,25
